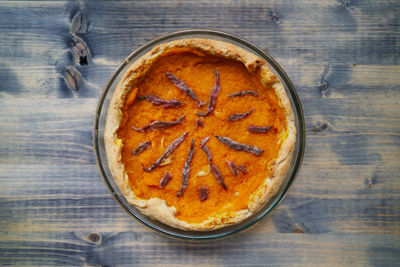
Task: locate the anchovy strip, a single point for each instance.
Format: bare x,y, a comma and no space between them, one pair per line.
239,116
205,148
159,125
240,93
167,152
232,167
156,101
199,123
213,96
258,129
242,168
186,171
182,86
165,179
143,146
214,169
203,193
239,146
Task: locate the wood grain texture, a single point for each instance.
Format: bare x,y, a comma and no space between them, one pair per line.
132,248
342,56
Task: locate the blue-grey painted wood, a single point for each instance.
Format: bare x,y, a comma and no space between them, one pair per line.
135,248
343,57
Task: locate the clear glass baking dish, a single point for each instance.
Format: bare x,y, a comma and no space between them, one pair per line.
101,158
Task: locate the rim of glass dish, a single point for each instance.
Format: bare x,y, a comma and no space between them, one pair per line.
296,102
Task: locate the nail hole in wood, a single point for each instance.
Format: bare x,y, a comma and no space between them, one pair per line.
80,51
94,237
370,182
138,236
324,87
274,17
320,127
83,60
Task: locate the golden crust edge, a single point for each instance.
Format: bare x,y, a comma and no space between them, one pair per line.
156,208
280,165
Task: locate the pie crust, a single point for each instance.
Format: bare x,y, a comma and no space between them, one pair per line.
157,208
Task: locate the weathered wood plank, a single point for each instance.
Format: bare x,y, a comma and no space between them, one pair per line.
43,131
73,198
130,248
36,48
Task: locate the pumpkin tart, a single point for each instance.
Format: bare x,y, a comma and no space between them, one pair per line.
199,134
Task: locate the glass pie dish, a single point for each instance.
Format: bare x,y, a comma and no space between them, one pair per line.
101,158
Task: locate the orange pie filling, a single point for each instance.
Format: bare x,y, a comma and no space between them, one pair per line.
204,195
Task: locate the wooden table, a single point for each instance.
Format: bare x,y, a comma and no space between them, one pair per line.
342,56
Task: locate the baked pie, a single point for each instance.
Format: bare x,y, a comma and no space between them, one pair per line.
199,134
